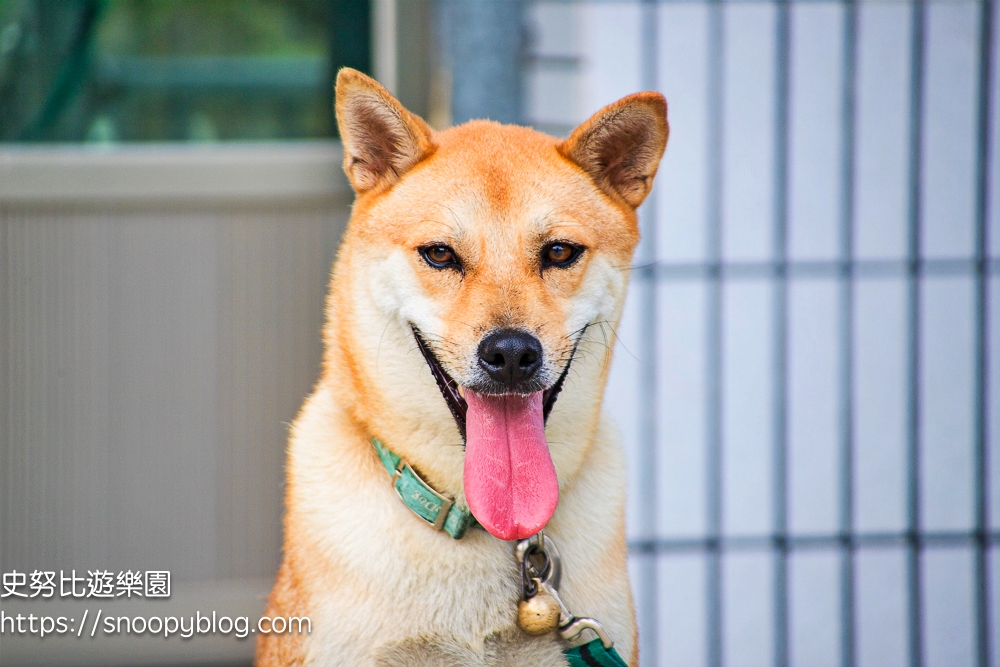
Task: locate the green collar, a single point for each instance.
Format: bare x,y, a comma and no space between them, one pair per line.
439,511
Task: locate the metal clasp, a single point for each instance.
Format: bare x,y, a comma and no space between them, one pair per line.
545,576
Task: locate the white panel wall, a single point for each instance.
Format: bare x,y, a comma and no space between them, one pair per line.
155,342
813,404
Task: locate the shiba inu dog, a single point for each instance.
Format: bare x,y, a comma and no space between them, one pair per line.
469,328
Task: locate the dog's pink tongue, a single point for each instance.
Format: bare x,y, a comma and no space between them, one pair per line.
510,482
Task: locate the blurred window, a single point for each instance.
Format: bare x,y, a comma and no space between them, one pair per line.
107,71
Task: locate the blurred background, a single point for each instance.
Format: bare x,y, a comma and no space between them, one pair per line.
804,373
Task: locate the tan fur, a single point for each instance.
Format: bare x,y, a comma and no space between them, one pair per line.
380,586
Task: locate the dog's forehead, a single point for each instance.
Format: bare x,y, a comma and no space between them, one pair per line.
473,217
501,177
490,184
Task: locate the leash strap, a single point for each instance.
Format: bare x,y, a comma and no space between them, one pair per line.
439,511
593,654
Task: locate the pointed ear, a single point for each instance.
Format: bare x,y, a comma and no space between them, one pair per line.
382,140
621,145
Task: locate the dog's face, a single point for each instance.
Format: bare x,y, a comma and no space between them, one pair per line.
513,263
498,248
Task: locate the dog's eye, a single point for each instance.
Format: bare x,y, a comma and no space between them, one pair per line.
440,257
560,254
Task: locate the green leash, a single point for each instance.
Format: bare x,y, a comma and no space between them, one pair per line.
593,654
441,513
438,510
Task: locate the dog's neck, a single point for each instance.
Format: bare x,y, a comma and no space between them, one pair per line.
389,393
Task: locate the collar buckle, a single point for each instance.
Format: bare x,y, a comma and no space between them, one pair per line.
435,509
445,503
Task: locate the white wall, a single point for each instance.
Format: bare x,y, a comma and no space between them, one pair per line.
715,201
160,315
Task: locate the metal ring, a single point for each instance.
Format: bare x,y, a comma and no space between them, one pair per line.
551,573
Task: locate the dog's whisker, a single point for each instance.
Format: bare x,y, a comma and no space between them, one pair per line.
378,351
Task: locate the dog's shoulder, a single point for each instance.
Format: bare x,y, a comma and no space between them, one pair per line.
275,649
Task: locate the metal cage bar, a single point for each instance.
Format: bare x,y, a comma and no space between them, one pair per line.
779,343
649,594
713,328
983,166
846,334
913,337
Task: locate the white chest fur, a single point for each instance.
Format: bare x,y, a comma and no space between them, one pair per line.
389,578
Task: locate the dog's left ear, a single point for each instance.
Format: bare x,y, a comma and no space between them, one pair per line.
621,145
382,140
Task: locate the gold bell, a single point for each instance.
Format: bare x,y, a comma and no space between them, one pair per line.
539,615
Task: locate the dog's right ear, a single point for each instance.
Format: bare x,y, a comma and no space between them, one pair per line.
382,140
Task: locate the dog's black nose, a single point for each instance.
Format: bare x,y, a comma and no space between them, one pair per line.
511,357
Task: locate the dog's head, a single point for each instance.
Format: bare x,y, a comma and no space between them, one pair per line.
497,252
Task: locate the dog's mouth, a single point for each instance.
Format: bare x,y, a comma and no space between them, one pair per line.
458,406
510,481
